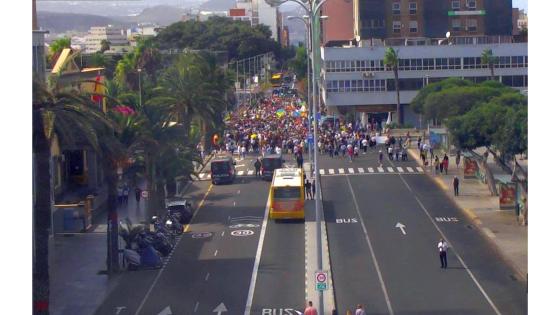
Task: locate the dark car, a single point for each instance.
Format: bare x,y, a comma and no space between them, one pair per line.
181,208
269,164
222,170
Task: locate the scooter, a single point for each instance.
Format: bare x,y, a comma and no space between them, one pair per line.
145,257
134,235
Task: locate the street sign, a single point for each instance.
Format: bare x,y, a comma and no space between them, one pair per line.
242,233
201,235
321,280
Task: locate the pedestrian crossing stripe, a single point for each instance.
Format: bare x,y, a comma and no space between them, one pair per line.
370,169
350,170
390,169
400,169
331,171
380,169
341,170
240,173
250,172
322,171
421,170
360,170
408,168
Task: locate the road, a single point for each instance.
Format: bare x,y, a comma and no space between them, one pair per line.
383,228
207,273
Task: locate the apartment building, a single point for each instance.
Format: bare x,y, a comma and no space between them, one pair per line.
113,35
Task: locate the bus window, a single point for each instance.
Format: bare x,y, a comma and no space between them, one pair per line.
287,193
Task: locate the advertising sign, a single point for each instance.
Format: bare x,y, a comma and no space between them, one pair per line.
470,167
507,195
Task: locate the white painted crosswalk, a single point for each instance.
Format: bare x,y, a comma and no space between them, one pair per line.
400,169
360,170
322,171
370,169
350,170
331,171
341,171
390,169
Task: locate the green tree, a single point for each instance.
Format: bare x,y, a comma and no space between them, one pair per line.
299,64
391,60
59,44
105,45
489,59
417,104
71,117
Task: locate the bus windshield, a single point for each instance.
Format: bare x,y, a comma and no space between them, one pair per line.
287,193
270,164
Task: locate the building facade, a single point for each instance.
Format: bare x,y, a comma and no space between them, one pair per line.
97,34
382,19
356,80
337,30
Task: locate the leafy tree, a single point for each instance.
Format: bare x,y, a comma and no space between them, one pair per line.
419,100
299,63
489,59
391,60
59,44
105,45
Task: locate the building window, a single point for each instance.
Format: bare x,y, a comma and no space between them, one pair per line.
413,26
471,4
396,26
456,5
428,64
442,64
396,8
454,63
469,63
415,64
412,7
472,25
456,24
404,64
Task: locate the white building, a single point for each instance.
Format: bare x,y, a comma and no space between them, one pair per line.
96,34
355,79
268,16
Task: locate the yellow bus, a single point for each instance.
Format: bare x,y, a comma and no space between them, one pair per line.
276,79
287,196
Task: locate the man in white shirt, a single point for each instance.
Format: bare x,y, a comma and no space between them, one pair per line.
442,247
360,310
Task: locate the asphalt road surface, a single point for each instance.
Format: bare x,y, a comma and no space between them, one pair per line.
383,229
207,272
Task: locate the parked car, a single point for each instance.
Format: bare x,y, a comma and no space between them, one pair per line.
181,208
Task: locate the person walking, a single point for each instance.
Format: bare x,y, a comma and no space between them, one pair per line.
390,152
445,163
436,164
258,165
313,189
360,310
120,194
310,309
380,157
308,194
126,191
456,185
442,248
138,194
458,159
243,151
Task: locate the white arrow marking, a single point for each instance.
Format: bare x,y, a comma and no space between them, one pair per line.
299,313
220,308
401,226
166,311
119,309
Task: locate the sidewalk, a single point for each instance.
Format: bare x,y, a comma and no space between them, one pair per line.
500,227
77,266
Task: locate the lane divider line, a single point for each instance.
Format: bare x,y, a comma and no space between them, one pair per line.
177,244
377,269
251,293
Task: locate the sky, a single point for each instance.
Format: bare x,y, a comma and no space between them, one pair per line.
521,4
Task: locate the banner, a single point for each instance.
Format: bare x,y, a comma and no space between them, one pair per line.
508,194
470,167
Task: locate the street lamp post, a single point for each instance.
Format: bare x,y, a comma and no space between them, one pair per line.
312,7
140,87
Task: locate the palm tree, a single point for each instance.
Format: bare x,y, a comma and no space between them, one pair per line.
391,60
186,91
72,117
489,59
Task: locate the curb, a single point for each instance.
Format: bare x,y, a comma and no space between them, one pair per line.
485,232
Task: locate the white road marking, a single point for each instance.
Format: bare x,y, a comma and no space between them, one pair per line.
410,169
216,253
387,300
322,171
456,253
341,171
350,170
380,169
240,173
251,172
238,192
234,203
400,169
223,232
331,171
360,170
207,276
196,307
390,169
370,169
257,261
421,170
